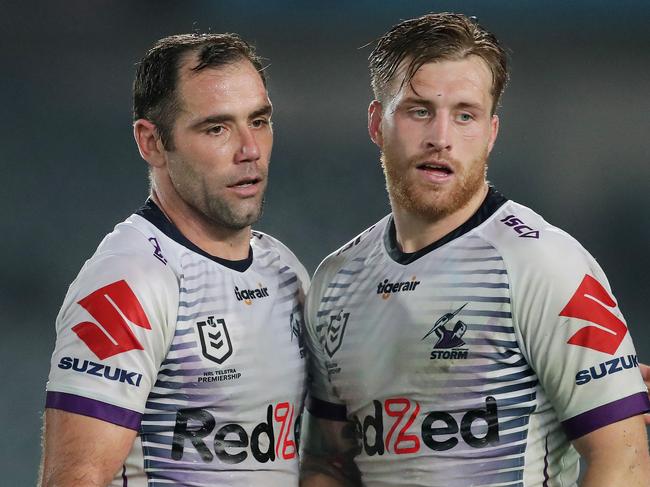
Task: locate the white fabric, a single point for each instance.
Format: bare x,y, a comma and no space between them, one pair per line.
186,397
483,407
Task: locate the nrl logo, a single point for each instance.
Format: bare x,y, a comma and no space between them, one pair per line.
335,331
215,340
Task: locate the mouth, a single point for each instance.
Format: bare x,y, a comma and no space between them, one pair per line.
435,171
437,167
246,182
246,186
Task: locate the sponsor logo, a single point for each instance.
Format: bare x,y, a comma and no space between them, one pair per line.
296,326
157,252
439,430
604,369
215,340
334,332
219,375
100,370
591,302
248,295
386,288
520,227
449,343
269,440
111,306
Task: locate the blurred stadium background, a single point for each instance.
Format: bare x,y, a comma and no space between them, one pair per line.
574,144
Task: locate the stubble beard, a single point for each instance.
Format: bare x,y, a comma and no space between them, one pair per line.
196,192
231,216
432,203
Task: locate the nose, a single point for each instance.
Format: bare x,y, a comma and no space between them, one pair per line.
437,133
249,150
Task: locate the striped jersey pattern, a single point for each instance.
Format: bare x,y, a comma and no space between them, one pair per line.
427,359
223,364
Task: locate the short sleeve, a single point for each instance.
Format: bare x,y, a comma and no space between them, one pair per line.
112,333
575,336
323,401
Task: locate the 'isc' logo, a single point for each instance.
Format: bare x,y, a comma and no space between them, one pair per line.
520,227
438,430
194,425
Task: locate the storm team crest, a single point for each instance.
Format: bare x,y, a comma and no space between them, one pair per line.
215,340
335,331
449,342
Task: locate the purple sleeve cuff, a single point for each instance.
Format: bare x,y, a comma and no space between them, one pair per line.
327,410
93,408
606,414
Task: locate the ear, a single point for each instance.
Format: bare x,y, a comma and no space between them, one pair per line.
149,143
374,123
494,131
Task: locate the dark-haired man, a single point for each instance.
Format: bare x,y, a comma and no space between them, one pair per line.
462,340
178,358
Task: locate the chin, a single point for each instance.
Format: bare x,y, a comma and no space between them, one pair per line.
433,205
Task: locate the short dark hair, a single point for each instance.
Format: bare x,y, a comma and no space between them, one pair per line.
435,37
156,79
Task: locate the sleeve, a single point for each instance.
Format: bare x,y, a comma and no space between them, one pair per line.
300,271
575,336
322,400
112,333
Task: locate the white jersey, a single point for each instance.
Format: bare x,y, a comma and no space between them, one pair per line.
202,356
474,361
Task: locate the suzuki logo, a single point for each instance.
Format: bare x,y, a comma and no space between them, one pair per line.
591,302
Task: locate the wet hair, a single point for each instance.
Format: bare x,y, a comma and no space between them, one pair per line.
430,38
155,96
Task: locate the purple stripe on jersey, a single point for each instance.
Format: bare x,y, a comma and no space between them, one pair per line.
95,409
327,410
606,414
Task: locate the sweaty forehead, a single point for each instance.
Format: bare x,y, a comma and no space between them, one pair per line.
234,84
469,76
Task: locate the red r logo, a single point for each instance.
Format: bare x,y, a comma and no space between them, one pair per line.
111,306
592,302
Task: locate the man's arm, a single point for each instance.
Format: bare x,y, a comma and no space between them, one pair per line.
81,451
327,459
616,454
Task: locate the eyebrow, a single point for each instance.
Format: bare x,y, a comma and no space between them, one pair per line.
427,103
265,110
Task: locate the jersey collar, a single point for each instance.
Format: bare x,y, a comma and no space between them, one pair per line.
154,215
492,202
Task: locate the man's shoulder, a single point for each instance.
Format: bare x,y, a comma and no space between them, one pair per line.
132,236
536,254
264,245
264,241
521,234
354,249
132,252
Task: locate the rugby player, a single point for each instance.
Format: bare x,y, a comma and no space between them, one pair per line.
178,357
463,340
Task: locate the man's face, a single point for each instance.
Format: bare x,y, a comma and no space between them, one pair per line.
435,135
222,143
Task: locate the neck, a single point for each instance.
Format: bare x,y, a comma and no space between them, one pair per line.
414,232
216,240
